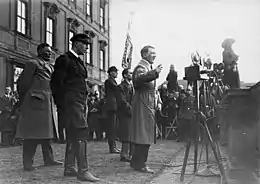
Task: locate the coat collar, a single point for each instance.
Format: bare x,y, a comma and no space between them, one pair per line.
74,53
145,63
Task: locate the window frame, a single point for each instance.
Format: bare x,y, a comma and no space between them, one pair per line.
90,48
69,42
103,63
90,8
19,68
21,18
102,17
53,31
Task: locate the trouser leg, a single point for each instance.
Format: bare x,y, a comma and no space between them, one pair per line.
131,150
47,151
61,133
125,149
29,149
112,133
82,161
140,155
125,157
70,158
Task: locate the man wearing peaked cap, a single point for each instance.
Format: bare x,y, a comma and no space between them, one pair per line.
111,108
84,38
69,89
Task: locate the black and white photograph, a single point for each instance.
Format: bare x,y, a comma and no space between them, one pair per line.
130,91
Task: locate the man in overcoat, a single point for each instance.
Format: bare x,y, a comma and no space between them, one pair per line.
69,84
172,79
36,123
111,108
125,95
144,105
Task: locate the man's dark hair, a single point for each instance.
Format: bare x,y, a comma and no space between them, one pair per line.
145,49
41,46
125,71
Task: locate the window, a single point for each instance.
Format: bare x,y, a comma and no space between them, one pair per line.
21,16
102,16
17,72
102,60
71,34
49,34
89,54
88,7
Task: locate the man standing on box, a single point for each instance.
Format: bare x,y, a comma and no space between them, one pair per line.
36,124
69,84
144,106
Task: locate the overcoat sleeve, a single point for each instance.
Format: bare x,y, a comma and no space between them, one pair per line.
58,76
143,76
26,78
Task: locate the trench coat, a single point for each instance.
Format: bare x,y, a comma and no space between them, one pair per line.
38,118
144,104
124,101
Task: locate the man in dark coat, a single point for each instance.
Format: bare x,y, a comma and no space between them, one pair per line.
111,90
69,85
172,79
36,123
93,117
144,105
124,102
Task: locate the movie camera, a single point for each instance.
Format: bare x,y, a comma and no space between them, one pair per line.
203,79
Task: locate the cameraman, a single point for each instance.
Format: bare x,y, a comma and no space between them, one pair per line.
172,79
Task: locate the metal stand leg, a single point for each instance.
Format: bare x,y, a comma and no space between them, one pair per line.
185,160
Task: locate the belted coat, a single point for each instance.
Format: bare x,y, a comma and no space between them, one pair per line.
38,115
144,104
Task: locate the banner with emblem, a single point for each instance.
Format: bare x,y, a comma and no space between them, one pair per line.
128,50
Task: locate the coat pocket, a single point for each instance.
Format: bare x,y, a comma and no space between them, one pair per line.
38,100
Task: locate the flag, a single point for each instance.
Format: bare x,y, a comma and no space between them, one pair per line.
128,50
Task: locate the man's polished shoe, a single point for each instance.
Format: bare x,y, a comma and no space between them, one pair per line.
87,176
146,170
30,168
70,172
125,159
53,163
114,150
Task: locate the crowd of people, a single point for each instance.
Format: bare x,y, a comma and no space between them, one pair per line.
128,112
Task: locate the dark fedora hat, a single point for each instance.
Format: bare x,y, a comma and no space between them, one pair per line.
112,69
84,38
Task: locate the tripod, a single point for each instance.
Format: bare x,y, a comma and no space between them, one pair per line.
200,123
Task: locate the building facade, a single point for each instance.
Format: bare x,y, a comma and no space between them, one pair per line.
26,23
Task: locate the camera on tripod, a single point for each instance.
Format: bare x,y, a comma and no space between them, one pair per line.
203,79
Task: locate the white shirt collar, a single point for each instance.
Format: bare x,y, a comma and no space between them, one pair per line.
74,53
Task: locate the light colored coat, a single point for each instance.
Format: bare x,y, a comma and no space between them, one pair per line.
38,117
144,104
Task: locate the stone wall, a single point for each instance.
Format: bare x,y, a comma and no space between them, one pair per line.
242,123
